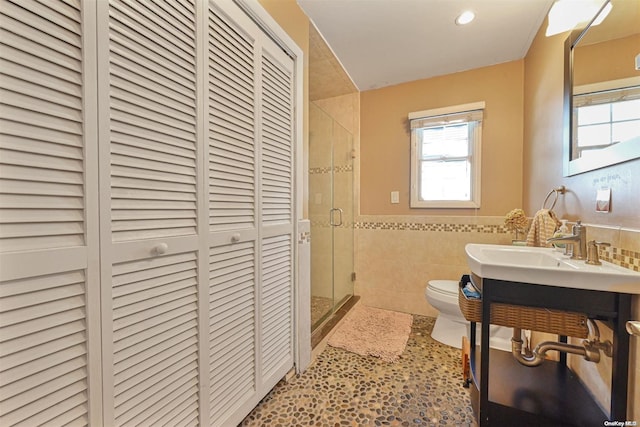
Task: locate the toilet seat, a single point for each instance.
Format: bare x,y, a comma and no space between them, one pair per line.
444,286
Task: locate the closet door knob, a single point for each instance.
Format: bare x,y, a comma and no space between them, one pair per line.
160,249
235,238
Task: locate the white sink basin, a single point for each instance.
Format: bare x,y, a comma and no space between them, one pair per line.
546,266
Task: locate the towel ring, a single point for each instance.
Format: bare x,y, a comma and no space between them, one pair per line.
560,190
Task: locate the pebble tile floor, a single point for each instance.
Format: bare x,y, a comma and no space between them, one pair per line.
424,388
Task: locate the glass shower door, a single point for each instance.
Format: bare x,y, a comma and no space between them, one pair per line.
331,213
342,215
320,204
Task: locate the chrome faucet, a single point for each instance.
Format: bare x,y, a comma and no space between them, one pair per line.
578,240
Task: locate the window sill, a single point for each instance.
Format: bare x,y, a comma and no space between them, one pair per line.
449,204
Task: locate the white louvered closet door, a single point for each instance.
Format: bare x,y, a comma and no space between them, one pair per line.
276,213
149,184
250,213
232,214
146,212
49,306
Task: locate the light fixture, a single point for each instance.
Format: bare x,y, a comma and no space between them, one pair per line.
465,17
565,15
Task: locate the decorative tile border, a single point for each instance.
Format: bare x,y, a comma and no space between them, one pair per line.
304,237
329,169
327,224
412,226
622,257
343,168
316,171
619,256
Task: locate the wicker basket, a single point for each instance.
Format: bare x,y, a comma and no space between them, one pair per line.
517,316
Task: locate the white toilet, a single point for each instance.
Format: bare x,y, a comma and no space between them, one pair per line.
450,324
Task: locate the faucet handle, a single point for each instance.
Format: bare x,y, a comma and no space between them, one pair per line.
592,252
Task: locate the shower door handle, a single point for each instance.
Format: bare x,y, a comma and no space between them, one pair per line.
331,216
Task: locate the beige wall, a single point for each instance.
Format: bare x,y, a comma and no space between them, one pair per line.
385,138
397,255
543,106
610,60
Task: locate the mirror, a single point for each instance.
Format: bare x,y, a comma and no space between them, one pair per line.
602,91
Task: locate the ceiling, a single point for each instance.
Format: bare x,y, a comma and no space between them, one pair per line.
385,42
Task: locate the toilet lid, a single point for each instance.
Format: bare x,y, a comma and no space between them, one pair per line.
445,286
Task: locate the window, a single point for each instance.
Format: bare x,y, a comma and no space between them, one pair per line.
605,118
445,157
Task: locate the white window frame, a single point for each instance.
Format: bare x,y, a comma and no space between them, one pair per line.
434,117
600,94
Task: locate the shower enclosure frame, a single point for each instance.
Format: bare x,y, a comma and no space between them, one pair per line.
331,211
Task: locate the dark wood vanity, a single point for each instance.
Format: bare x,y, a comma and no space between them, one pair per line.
504,392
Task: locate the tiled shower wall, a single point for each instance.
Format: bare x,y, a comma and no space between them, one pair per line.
397,255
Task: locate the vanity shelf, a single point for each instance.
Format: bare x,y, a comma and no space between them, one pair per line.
504,392
549,394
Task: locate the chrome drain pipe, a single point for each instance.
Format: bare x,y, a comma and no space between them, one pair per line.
590,350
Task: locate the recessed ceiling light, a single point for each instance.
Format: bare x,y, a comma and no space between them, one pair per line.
465,17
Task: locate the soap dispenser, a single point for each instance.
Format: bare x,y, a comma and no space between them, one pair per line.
564,229
561,232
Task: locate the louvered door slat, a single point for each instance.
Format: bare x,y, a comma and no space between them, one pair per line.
136,323
129,380
277,302
153,119
232,162
137,48
236,45
135,395
277,128
228,332
43,359
181,11
72,408
168,397
232,139
23,108
41,351
180,155
61,14
69,57
126,73
232,324
173,118
232,133
233,382
155,324
63,20
151,214
71,412
153,175
61,72
41,131
148,369
155,17
187,417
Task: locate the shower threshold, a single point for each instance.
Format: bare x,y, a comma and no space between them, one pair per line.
331,320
